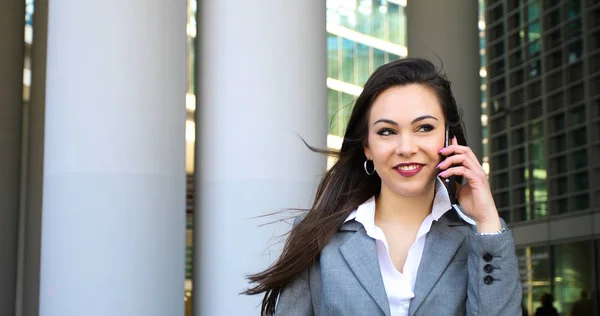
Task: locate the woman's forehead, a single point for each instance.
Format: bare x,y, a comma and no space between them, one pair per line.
406,103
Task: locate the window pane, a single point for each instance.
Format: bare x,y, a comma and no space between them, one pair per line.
348,60
533,10
363,64
572,272
332,56
580,159
378,58
535,272
333,107
364,17
345,111
379,18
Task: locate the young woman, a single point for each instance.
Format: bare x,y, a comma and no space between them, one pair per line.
383,236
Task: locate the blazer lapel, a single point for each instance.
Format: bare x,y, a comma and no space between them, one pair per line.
360,252
443,240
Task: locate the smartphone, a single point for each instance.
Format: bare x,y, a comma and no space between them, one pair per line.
449,182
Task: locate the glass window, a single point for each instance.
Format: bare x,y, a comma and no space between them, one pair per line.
572,273
348,60
379,18
535,68
392,57
363,64
393,20
536,275
573,8
580,159
579,137
540,210
536,130
538,152
332,109
378,58
581,181
364,17
533,31
559,164
574,50
578,115
332,56
533,10
345,111
573,28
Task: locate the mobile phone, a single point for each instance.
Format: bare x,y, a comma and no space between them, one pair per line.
449,182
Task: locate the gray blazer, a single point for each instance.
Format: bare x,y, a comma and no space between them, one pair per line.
460,273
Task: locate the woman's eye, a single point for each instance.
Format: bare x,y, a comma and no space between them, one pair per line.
385,132
425,128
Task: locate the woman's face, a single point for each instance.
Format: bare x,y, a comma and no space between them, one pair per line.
406,131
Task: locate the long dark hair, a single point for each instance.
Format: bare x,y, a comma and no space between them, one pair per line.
346,185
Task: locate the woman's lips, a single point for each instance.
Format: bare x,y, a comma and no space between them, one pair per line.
409,170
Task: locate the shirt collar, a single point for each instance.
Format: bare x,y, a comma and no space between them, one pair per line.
365,213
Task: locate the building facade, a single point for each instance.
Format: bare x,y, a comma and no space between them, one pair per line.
543,106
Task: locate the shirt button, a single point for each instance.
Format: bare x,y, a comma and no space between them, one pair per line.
487,257
488,268
488,280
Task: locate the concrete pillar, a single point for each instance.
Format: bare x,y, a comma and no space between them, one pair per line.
12,25
261,80
114,159
448,30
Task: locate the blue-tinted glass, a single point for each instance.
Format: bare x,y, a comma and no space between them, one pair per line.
379,19
533,10
573,8
332,56
363,64
332,111
393,11
348,60
345,110
392,57
533,31
364,18
378,58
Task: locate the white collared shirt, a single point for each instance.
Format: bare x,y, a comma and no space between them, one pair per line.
400,286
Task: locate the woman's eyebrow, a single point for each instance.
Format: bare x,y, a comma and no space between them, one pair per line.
420,118
424,117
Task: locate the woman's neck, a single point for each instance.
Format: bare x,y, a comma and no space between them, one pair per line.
393,208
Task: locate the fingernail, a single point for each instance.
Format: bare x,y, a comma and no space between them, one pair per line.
441,174
454,137
440,151
438,166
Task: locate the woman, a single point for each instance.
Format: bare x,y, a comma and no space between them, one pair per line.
382,237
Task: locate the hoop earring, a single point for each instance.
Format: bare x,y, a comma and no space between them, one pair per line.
367,169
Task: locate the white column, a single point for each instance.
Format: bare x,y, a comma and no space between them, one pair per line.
114,173
261,80
448,30
12,25
28,299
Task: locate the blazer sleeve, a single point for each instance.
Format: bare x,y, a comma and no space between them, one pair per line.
296,298
494,286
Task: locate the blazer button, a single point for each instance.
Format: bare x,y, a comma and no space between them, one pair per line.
488,268
488,280
487,257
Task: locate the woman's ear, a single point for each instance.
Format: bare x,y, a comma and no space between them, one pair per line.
367,152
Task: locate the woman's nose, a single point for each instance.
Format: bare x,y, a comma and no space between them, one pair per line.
406,146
